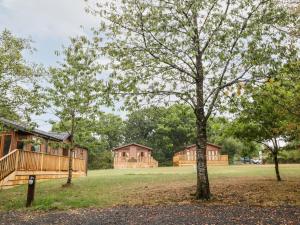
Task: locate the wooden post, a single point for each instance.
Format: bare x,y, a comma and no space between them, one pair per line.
86,164
31,190
17,160
73,161
42,161
59,163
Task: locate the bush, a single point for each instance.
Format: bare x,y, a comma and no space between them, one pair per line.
101,160
231,146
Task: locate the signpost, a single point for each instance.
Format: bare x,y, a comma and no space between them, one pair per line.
31,188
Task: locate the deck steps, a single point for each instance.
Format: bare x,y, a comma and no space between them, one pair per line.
21,177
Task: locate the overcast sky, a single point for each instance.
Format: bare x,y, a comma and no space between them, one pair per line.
49,23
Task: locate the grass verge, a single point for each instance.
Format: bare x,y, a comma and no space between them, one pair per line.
247,184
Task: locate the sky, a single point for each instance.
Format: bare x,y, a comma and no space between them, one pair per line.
50,24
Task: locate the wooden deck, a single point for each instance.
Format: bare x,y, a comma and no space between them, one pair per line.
123,163
183,160
16,166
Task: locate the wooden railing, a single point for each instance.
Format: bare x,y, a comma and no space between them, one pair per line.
211,160
140,161
8,164
37,161
193,158
19,160
148,159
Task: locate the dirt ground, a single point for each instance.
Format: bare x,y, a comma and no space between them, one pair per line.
167,214
262,192
242,200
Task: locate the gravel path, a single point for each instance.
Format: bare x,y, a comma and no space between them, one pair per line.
168,214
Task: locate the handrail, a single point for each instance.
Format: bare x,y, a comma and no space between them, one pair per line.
8,154
45,153
8,164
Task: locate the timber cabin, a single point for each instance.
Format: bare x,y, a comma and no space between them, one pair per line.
133,156
25,151
187,157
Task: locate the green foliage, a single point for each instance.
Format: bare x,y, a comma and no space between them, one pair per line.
263,115
231,146
185,51
19,90
291,156
218,129
165,129
74,92
101,160
250,149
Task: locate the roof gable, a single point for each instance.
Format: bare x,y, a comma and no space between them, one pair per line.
127,145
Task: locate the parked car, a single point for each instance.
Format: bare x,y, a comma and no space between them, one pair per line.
256,161
245,160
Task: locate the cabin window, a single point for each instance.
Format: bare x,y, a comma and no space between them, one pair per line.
36,148
142,154
20,145
81,153
124,154
65,152
209,155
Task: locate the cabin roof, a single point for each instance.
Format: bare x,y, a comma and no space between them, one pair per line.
143,146
48,135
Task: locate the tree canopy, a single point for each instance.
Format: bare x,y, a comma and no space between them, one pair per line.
19,89
267,113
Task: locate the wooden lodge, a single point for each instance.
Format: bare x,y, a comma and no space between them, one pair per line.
187,157
25,151
133,156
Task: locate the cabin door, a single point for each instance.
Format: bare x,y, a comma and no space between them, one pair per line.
5,145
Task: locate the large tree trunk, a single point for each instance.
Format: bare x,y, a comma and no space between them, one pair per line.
69,181
275,154
71,150
203,190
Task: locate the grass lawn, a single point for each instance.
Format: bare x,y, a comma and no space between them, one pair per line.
246,184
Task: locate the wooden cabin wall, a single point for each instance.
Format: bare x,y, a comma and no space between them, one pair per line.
18,136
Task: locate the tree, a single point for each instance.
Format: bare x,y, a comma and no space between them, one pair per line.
18,79
231,146
284,89
75,87
260,120
176,129
142,124
191,51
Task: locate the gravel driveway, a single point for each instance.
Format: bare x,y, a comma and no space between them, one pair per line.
167,214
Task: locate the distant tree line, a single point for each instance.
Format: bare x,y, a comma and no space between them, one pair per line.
165,129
